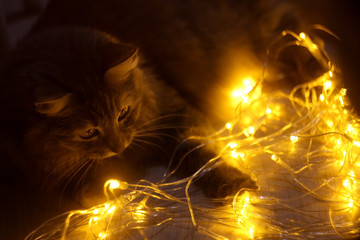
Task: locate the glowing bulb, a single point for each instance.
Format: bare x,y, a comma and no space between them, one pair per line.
331,74
346,183
302,35
341,101
350,128
294,139
351,203
251,130
234,154
233,145
322,98
314,46
102,235
114,184
330,123
343,91
274,157
251,232
111,210
327,85
237,93
356,143
268,111
228,126
96,211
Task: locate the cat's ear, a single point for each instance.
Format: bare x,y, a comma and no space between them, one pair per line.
121,70
52,107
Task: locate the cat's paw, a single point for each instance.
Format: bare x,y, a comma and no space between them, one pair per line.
226,181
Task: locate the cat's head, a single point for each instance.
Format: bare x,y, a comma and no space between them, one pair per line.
81,93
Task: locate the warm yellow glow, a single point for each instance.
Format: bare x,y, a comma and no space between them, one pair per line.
114,184
346,183
234,154
330,123
274,157
228,126
302,35
322,97
341,101
327,85
294,139
343,91
330,74
242,93
268,111
102,235
251,130
111,210
351,203
233,145
251,233
350,128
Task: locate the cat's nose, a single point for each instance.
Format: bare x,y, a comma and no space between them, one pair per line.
115,145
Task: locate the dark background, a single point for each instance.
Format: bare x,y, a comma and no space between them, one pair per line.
341,17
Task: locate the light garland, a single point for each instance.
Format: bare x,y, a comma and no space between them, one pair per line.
302,148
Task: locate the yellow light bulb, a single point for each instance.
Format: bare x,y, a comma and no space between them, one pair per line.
228,126
351,203
268,111
251,233
114,184
234,154
294,139
233,145
237,93
251,130
327,85
302,35
346,183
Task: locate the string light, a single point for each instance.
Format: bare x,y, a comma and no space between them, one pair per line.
305,144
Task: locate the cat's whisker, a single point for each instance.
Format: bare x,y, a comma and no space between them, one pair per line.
150,144
61,171
157,136
168,116
84,173
135,145
73,172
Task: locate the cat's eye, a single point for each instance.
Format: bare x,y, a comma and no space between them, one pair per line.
123,113
89,133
